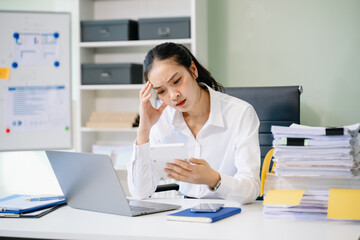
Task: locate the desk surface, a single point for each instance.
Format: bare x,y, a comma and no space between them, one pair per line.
69,223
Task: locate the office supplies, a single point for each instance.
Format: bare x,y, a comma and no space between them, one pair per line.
206,217
161,154
89,182
17,204
45,198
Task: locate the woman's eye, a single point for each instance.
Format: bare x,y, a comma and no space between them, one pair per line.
177,81
160,92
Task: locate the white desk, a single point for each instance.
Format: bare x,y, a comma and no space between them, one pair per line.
68,223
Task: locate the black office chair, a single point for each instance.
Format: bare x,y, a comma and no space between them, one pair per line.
273,105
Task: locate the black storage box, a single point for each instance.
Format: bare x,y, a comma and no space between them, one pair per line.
109,30
113,73
164,28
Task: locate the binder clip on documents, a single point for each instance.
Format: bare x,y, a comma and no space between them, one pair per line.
315,173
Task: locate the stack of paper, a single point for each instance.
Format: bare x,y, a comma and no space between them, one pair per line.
113,120
297,204
316,151
309,163
315,205
310,182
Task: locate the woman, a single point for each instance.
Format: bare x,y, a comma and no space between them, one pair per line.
220,132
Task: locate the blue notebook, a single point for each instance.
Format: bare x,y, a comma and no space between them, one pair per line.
187,215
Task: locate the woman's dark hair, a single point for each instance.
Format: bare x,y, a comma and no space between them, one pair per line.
183,57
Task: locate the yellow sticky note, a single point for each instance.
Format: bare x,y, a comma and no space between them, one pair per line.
4,73
284,197
344,204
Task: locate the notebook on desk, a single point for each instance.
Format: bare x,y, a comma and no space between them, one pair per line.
89,181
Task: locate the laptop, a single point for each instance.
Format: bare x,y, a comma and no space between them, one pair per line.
89,182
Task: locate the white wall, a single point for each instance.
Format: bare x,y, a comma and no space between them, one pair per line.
313,43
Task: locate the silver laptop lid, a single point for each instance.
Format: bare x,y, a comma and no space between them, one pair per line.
89,181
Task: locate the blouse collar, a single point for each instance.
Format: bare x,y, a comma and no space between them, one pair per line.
215,116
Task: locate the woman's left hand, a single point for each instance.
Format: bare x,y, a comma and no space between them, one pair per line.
197,171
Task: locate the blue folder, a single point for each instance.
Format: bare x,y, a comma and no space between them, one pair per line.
17,204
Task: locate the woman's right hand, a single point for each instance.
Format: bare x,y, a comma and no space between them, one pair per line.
148,114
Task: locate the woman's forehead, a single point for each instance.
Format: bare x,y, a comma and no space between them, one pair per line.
163,70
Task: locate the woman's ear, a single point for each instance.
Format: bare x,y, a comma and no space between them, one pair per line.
194,70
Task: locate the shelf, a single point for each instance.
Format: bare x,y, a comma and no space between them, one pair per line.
85,129
134,43
125,97
112,87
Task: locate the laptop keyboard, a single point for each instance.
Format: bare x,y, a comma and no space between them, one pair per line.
140,209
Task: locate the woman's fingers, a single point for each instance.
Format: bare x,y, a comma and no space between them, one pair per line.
175,175
145,94
148,89
196,171
145,90
178,171
146,98
182,164
197,161
179,166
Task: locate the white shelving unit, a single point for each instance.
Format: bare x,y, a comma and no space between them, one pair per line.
125,97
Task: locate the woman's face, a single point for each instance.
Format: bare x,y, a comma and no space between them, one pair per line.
174,84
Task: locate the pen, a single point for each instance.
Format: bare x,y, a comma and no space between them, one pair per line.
45,198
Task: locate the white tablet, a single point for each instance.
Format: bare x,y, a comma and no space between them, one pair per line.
163,153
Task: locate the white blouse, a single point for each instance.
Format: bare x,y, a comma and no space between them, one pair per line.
228,141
